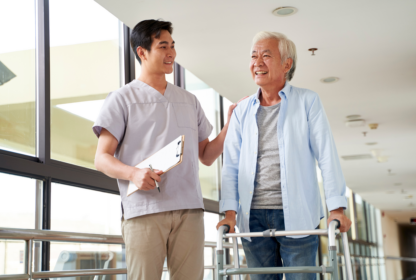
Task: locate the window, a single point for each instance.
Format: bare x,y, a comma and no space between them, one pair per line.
81,210
17,210
85,67
361,223
17,77
209,99
17,201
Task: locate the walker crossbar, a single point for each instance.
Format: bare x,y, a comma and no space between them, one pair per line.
332,269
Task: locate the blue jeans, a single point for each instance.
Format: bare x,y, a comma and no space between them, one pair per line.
271,251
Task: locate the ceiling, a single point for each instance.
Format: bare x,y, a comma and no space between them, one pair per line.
370,45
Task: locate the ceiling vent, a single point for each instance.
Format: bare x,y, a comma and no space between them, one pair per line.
355,157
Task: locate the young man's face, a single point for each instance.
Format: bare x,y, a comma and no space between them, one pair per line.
162,54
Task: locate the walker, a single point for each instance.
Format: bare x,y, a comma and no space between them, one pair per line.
332,269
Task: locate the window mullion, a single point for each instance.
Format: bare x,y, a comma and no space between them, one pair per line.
43,110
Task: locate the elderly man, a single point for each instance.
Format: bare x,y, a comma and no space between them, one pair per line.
269,174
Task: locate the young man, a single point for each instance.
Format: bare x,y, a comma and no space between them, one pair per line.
135,122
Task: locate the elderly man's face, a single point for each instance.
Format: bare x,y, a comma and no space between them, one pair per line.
266,66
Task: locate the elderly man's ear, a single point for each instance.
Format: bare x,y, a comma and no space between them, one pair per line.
288,64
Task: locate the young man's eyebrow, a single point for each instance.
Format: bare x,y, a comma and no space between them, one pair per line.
165,42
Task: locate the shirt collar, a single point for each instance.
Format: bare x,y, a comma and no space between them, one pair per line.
284,92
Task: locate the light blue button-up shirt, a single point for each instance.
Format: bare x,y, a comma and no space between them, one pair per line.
304,135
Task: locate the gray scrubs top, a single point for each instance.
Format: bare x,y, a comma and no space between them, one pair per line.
144,121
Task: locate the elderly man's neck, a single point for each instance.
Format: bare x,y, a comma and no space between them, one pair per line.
269,95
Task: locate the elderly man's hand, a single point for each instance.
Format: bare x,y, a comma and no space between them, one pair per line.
338,214
231,109
229,220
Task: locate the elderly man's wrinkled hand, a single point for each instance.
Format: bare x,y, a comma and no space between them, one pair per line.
229,220
338,214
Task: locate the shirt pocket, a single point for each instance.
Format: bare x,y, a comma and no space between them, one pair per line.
185,115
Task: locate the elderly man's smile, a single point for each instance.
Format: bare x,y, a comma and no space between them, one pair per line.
260,73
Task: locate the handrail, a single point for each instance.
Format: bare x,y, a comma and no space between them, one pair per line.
30,235
49,235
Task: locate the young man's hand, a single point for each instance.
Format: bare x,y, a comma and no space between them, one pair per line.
229,220
144,179
231,109
338,214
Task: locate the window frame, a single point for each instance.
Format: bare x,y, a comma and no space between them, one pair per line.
41,166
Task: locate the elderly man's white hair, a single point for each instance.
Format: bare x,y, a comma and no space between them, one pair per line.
287,48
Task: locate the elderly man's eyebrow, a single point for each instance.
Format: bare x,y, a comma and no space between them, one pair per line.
264,51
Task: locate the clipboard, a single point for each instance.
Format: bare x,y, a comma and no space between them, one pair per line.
165,159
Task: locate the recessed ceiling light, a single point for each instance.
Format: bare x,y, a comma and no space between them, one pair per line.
330,80
371,143
285,11
353,117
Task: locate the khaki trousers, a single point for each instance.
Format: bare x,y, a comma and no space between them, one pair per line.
177,235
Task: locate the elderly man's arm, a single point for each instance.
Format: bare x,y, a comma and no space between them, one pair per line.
229,189
325,151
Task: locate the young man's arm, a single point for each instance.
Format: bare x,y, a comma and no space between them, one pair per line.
210,151
112,167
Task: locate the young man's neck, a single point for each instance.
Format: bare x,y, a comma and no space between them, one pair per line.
156,81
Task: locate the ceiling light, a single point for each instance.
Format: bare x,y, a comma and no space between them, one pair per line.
373,125
330,80
353,117
371,143
353,157
285,11
382,159
376,153
355,123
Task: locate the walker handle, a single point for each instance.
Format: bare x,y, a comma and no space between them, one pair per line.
227,230
338,224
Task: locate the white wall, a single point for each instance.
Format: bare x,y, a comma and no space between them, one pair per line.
391,247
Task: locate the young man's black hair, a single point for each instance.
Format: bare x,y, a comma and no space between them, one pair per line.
143,32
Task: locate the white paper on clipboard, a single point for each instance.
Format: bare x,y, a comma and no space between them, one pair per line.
165,159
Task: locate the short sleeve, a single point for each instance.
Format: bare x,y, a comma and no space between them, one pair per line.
204,127
112,116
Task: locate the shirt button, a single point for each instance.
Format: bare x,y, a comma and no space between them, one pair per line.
246,213
255,152
251,192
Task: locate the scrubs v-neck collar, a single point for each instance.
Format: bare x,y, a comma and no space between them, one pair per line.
153,91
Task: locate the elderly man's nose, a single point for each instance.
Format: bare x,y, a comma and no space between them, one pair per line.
258,62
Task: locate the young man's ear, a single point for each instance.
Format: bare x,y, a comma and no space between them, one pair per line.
141,52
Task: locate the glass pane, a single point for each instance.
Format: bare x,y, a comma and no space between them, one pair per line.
81,210
74,256
17,77
209,99
362,227
12,254
138,70
210,223
85,67
17,201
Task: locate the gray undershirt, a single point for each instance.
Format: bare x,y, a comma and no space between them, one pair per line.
267,187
